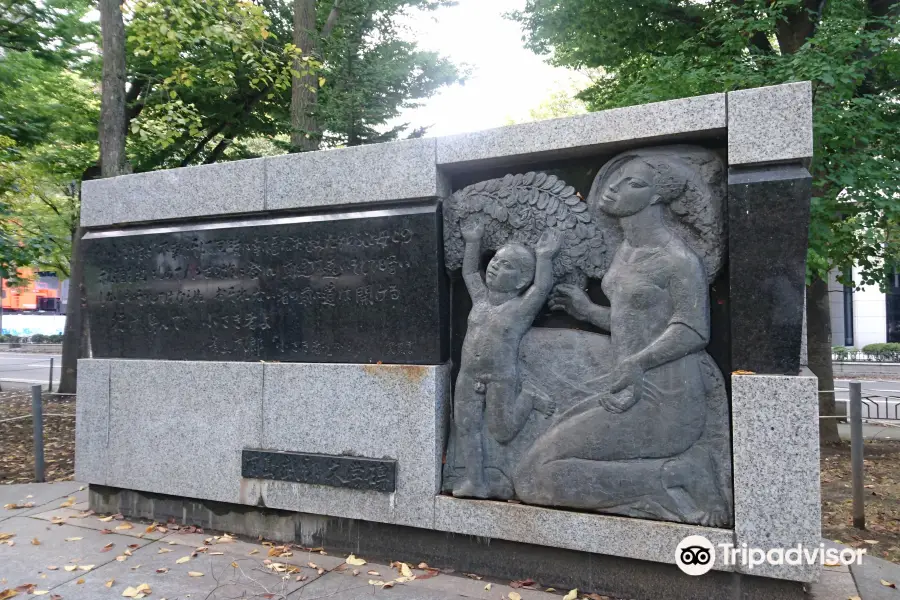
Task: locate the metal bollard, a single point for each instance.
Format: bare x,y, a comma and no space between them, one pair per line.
50,385
856,454
37,418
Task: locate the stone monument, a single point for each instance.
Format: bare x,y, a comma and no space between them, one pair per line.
550,350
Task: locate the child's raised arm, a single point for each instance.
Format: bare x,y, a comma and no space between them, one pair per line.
472,234
546,249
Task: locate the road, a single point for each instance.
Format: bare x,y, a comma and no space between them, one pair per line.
21,371
881,399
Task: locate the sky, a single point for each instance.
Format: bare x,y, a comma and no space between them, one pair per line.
507,80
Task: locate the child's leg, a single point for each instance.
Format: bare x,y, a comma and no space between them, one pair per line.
467,415
505,410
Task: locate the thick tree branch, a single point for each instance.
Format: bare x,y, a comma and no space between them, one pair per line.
797,26
202,143
331,21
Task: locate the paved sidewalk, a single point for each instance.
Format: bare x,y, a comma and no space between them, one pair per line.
55,545
59,547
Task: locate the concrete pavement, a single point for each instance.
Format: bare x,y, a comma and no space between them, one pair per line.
67,552
58,546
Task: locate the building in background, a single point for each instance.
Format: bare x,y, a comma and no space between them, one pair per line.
43,293
865,316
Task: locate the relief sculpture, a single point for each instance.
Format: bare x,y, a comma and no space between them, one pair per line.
634,421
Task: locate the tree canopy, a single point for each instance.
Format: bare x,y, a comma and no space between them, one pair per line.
652,50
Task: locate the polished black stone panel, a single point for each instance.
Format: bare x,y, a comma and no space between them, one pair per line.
321,469
768,227
360,287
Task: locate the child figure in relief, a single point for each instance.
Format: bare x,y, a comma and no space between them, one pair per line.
504,307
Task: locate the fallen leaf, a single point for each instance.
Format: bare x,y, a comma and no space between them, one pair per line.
70,568
7,594
888,584
572,595
302,577
832,563
121,558
110,583
423,566
375,573
40,592
105,519
514,596
312,565
80,581
405,570
195,574
69,502
741,372
14,506
254,551
352,560
404,579
73,539
106,531
163,570
6,536
85,567
182,560
124,526
52,568
223,554
130,592
871,541
487,587
107,547
163,550
524,583
477,577
35,542
355,572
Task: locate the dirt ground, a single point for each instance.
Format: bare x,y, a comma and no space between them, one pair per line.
882,499
16,438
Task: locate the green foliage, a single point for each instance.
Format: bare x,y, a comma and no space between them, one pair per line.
888,347
659,50
53,30
202,72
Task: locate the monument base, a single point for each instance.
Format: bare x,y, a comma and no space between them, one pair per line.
552,567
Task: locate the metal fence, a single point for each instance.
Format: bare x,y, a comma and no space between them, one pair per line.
875,405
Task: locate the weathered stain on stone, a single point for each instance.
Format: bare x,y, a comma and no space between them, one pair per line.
412,373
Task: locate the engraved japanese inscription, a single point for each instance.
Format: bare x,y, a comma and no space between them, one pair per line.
379,475
350,287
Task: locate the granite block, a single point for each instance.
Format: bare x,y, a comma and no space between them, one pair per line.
374,411
379,172
219,189
601,534
768,231
178,427
775,435
868,576
584,134
92,421
770,124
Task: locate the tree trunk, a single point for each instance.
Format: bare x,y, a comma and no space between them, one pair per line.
304,128
818,336
113,121
72,334
112,101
